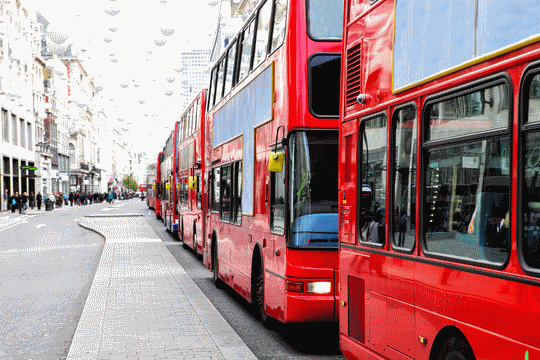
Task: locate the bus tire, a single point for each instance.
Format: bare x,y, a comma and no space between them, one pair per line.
199,256
194,240
456,348
215,268
258,299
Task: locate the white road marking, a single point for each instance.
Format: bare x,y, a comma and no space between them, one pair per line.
4,253
40,225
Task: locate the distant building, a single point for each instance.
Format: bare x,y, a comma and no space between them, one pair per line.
194,76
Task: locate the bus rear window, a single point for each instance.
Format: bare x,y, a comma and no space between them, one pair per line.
325,19
324,75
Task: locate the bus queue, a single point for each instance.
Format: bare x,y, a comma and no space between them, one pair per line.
372,163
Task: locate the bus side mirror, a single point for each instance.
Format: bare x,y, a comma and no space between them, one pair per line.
192,183
275,162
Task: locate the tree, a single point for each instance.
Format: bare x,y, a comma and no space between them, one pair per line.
129,183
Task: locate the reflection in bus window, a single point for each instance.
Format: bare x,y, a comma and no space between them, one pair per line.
216,190
531,204
277,202
226,193
199,192
231,56
483,110
263,32
211,92
404,186
237,206
220,80
313,188
325,19
373,178
280,20
245,51
467,198
534,100
531,192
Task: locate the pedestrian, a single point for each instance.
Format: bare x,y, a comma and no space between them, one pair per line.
24,203
5,199
71,199
32,200
13,201
39,198
65,199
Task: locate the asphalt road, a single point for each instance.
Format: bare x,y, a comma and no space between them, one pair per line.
47,263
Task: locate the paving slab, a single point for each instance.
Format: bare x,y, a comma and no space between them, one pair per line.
143,305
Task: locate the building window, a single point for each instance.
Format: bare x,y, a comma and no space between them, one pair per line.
23,138
29,134
5,123
72,154
14,124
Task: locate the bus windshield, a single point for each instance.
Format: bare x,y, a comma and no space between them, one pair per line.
313,188
325,19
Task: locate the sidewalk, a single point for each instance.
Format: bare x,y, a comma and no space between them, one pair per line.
35,211
143,305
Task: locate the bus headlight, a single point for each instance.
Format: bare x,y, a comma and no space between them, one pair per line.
319,287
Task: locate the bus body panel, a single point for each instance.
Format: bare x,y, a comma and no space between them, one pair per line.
150,183
241,246
159,189
391,301
191,219
168,178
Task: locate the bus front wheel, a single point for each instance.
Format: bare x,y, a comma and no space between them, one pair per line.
215,269
259,296
456,348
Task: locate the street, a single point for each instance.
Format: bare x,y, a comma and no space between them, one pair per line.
48,266
46,269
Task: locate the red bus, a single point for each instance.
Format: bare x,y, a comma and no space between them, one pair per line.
158,191
169,184
142,188
190,174
150,185
274,101
438,175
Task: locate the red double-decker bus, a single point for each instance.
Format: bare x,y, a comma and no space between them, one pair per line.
190,174
142,187
439,187
150,185
158,191
273,101
169,184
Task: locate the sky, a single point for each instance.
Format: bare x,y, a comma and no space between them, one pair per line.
135,72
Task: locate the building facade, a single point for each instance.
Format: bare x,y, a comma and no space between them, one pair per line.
19,72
